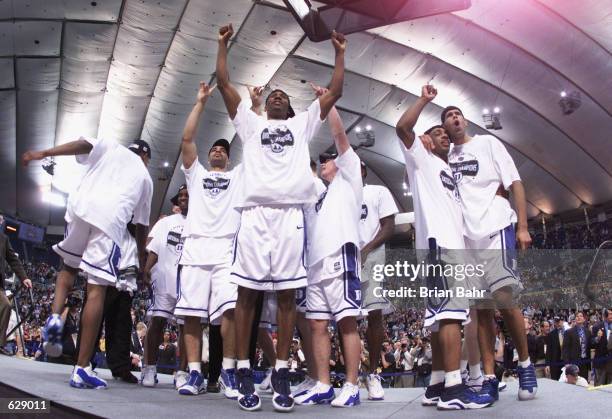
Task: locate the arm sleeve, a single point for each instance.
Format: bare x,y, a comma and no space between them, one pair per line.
386,204
154,245
313,120
504,165
142,212
191,174
349,167
245,121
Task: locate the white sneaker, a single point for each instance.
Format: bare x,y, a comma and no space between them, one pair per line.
349,396
266,383
318,394
180,379
375,389
304,386
86,378
502,386
475,383
148,376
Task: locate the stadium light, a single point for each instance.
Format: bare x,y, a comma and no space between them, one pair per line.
368,127
166,164
358,129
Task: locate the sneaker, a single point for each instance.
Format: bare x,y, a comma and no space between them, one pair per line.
52,336
148,378
432,394
318,394
194,386
213,387
490,386
86,378
475,383
303,387
502,386
465,375
282,400
227,384
528,384
461,396
375,389
180,379
349,396
248,398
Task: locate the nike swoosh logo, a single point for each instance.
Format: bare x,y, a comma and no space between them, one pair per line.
493,235
299,228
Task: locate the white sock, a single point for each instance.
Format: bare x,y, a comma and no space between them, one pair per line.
463,365
195,366
475,371
525,363
437,376
281,364
243,363
452,378
228,363
490,376
323,387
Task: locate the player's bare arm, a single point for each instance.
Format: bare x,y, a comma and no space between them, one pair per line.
334,93
520,204
188,146
72,148
335,122
228,91
141,244
151,261
405,125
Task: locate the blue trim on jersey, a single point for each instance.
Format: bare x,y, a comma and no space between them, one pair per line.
178,282
163,311
235,246
219,308
66,251
305,241
300,297
508,249
351,282
191,309
267,280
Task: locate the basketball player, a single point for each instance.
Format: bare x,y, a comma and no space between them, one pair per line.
165,246
375,229
116,186
438,229
204,283
269,248
481,165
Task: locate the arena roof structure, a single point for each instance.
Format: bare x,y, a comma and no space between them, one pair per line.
129,69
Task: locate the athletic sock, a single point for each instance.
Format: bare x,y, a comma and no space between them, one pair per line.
195,366
525,363
452,378
323,387
281,364
463,365
475,371
243,363
228,363
437,376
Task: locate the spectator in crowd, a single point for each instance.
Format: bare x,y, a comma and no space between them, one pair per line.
137,347
531,339
404,363
167,355
388,363
570,374
577,345
542,349
602,343
422,355
554,350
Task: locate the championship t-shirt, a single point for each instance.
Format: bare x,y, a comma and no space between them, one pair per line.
377,203
167,244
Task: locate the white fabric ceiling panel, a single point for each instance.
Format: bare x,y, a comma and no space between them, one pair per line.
42,9
37,38
8,150
141,47
154,15
131,80
102,10
518,73
7,77
40,74
84,76
122,117
323,140
178,87
560,45
78,115
592,16
203,18
191,54
89,41
6,36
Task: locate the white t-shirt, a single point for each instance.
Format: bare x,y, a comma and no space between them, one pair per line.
116,185
319,186
437,210
275,156
479,167
167,244
334,219
377,203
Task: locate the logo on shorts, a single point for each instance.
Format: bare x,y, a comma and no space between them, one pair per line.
364,211
213,187
277,138
319,203
464,168
449,183
174,240
337,266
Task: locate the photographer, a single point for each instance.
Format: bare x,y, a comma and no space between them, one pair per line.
422,353
404,363
388,363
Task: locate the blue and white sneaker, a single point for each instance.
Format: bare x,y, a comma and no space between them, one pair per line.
228,385
318,394
461,397
475,383
432,394
265,384
303,387
349,396
282,400
502,386
248,398
180,379
52,336
194,386
528,383
490,386
86,378
375,388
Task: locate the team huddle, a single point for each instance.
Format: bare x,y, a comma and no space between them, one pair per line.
270,225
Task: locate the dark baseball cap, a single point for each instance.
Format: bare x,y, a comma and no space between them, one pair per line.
140,146
174,199
327,156
223,143
290,111
446,110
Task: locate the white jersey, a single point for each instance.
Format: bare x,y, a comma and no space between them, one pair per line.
480,166
377,203
435,197
319,186
212,198
167,244
334,220
116,185
275,156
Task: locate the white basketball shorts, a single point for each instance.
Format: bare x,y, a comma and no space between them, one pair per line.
371,302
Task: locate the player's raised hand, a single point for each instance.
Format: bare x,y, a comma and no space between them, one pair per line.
427,142
338,41
428,92
28,156
205,91
318,90
225,33
256,94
